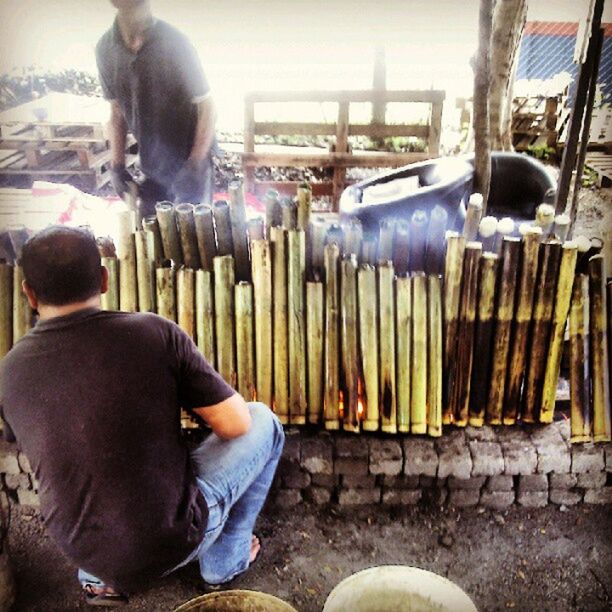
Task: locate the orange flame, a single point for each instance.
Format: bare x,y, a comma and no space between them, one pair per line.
340,404
361,412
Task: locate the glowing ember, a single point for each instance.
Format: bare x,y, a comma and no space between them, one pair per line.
360,402
340,404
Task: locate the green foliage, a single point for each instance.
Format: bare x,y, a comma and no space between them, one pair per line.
543,152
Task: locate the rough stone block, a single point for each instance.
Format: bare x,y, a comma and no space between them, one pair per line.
316,456
353,447
28,498
24,463
347,465
329,481
287,498
401,497
587,458
520,456
566,497
292,475
486,433
487,458
359,497
385,457
598,496
454,456
466,483
563,428
532,482
497,500
501,482
293,444
401,482
8,458
17,481
421,457
427,482
608,454
462,498
532,499
436,497
358,481
562,481
553,451
592,480
317,495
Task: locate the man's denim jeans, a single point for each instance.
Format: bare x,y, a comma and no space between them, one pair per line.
234,476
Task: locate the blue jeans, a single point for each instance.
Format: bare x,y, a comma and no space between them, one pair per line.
234,477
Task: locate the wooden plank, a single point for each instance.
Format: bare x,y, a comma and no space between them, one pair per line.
341,147
330,129
289,188
431,96
346,160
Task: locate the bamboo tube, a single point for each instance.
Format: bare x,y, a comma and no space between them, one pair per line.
18,235
165,289
296,270
239,231
205,315
278,243
145,270
462,366
205,235
368,336
387,348
150,224
353,237
581,421
434,251
185,299
550,255
223,228
453,271
335,235
106,246
504,314
314,343
304,206
110,299
244,340
256,229
349,343
481,369
369,250
434,362
545,217
563,299
522,323
599,350
262,289
223,266
486,233
288,213
166,219
404,358
331,257
22,313
472,217
418,239
187,235
318,231
561,227
401,247
584,246
609,298
273,214
126,253
6,308
505,227
386,239
419,376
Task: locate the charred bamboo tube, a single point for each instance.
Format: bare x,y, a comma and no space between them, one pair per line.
563,299
522,322
453,271
486,233
546,284
434,251
185,298
166,219
418,239
465,334
561,227
6,308
110,299
273,213
262,289
296,271
288,214
205,315
545,217
314,342
404,359
145,270
350,355
239,231
599,350
22,313
205,234
187,234
481,370
278,240
223,228
256,229
165,289
332,337
387,348
150,224
434,362
304,206
505,227
472,217
581,421
126,253
353,237
224,317
318,230
368,336
504,314
418,391
244,340
401,247
386,239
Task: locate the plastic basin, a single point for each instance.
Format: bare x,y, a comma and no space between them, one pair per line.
236,601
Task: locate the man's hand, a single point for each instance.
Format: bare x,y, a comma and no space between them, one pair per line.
120,179
188,186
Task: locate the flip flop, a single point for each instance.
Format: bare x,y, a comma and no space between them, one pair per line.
107,598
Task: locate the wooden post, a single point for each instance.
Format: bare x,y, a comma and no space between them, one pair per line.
205,234
205,315
402,247
145,270
185,298
434,362
244,340
349,352
239,231
187,233
418,240
387,348
110,299
126,253
434,251
314,344
6,308
166,219
331,257
224,317
418,391
22,313
404,358
223,227
166,296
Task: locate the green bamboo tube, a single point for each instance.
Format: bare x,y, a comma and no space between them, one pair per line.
387,347
401,247
304,206
224,317
278,243
453,271
187,235
462,367
185,298
239,231
386,239
296,271
126,253
22,313
318,231
349,343
205,235
205,315
561,227
522,322
403,326
262,289
110,299
368,337
563,299
223,228
550,256
504,314
331,257
245,364
288,213
472,217
599,350
256,229
314,342
418,240
434,250
150,224
273,213
166,219
6,308
145,270
434,361
419,377
581,418
166,293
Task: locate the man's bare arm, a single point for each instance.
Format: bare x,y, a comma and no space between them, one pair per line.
204,132
117,135
228,419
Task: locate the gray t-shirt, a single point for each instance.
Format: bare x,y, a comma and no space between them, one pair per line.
93,399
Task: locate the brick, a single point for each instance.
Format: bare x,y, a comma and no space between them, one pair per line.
466,483
293,443
17,481
401,497
359,497
486,433
565,497
421,457
553,451
454,456
346,465
8,458
562,481
319,496
329,481
587,458
598,496
287,498
354,447
358,481
608,454
462,498
487,458
401,482
497,500
592,480
28,498
385,457
520,456
502,482
24,463
316,456
532,482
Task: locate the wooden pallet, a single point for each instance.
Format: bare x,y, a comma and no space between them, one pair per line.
535,122
601,163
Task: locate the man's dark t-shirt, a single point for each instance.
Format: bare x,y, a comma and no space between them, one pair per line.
93,399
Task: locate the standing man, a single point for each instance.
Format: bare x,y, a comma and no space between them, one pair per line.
154,81
94,397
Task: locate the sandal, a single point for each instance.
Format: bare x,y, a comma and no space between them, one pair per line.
103,596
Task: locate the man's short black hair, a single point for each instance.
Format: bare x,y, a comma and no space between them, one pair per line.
62,265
